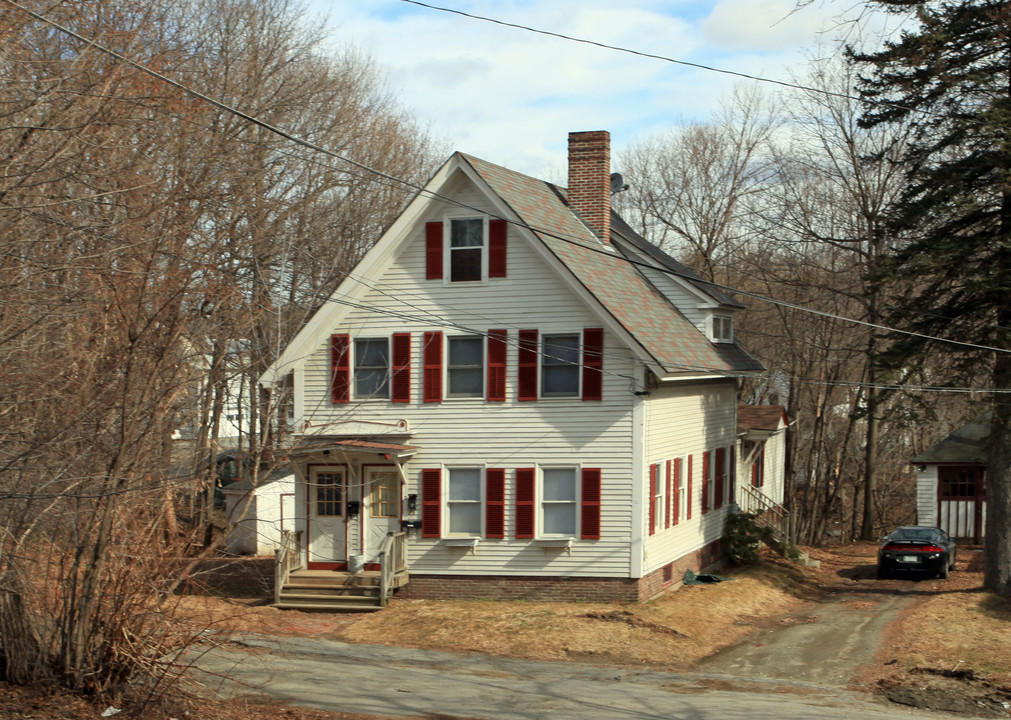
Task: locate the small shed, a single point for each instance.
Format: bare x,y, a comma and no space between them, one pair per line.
950,482
256,516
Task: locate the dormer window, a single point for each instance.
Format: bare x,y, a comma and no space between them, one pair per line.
723,328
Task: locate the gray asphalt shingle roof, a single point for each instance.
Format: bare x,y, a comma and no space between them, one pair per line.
647,315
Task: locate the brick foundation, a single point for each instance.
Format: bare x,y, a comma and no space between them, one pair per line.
560,589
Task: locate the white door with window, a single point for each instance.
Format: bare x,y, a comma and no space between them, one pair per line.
381,508
327,546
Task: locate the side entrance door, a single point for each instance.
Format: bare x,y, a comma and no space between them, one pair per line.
381,511
327,517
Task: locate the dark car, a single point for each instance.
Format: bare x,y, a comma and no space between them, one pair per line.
923,549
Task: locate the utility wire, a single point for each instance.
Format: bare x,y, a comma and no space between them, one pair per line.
423,191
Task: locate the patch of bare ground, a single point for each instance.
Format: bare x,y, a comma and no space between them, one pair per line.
951,625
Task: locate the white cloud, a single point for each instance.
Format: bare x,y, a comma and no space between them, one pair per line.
511,96
765,25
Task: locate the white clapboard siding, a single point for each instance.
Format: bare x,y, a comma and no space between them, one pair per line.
926,495
681,420
469,432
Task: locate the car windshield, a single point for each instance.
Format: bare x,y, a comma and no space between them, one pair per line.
914,534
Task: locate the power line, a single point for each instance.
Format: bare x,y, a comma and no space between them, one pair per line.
423,191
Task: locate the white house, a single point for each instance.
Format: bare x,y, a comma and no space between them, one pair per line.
544,401
950,482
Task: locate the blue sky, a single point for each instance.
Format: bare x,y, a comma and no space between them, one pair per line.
511,96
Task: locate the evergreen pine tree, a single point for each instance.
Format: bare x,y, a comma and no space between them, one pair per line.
950,74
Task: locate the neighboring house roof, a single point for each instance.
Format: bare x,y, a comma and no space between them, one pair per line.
966,445
663,332
764,418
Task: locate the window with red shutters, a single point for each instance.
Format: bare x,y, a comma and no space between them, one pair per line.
589,526
433,251
525,481
497,351
401,368
670,498
720,478
340,368
494,521
431,503
593,363
497,231
706,483
528,359
654,483
432,359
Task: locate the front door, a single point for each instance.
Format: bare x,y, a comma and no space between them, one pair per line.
327,491
381,511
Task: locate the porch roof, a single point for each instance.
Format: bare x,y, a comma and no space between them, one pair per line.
353,446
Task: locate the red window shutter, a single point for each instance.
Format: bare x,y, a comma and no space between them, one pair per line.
654,481
525,503
720,477
431,503
432,359
497,248
497,364
676,509
688,510
433,251
401,368
590,504
670,498
494,494
528,356
705,482
340,368
593,363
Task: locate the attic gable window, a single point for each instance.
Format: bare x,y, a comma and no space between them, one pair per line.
468,249
723,328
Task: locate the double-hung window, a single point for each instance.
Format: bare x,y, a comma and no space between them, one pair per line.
464,502
466,366
560,366
466,249
559,493
372,368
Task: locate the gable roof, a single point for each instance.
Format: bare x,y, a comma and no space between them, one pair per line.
675,345
965,445
662,336
765,418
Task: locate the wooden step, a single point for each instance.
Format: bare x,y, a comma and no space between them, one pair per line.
327,607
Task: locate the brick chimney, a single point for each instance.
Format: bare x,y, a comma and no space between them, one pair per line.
590,180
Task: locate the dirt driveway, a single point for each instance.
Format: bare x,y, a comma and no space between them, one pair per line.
927,643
